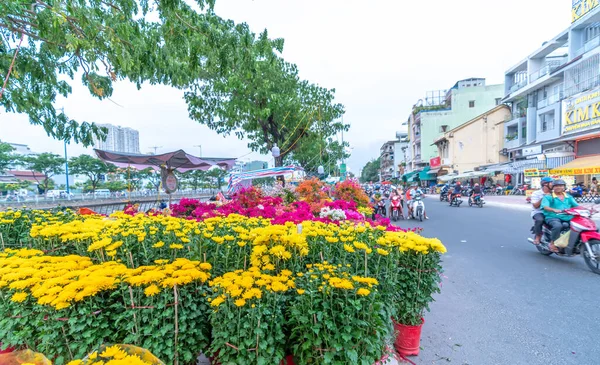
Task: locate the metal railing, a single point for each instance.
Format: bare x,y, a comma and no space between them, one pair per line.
585,85
519,85
551,99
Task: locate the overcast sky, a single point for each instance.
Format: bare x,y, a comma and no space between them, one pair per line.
381,56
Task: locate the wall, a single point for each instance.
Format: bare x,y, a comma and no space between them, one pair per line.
478,142
485,99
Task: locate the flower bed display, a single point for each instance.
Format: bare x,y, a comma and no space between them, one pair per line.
244,289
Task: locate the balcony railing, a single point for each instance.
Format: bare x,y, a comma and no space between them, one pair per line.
550,66
585,85
516,115
554,98
518,85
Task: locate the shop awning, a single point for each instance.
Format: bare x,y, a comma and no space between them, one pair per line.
580,166
518,167
446,178
434,171
424,174
409,175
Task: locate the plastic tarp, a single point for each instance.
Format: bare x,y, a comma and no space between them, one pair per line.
176,160
24,357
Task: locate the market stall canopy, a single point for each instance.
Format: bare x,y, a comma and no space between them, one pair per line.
236,178
424,174
580,166
446,178
177,160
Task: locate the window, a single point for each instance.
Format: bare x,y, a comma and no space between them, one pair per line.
547,122
498,101
472,104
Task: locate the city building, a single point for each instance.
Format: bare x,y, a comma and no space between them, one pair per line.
472,144
554,94
119,139
401,153
255,165
443,110
386,160
21,150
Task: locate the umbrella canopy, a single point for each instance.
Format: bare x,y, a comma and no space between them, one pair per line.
176,160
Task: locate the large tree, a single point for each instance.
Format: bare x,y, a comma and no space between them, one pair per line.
315,152
46,44
6,157
47,164
370,172
91,167
263,99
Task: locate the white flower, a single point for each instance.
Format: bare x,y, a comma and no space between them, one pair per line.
260,206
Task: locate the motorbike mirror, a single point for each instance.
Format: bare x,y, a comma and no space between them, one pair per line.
597,201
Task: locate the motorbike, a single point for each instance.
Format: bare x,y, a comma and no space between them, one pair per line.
456,200
477,200
396,209
380,208
499,190
418,208
443,196
584,238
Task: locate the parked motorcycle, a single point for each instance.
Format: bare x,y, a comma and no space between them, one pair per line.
456,200
584,238
418,207
396,209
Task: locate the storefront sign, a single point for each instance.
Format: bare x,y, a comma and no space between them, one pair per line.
435,162
581,113
528,151
581,7
535,172
577,171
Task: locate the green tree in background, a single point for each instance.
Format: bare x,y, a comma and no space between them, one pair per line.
91,167
194,179
371,171
6,158
102,41
47,164
315,152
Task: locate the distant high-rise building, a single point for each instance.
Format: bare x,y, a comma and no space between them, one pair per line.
119,139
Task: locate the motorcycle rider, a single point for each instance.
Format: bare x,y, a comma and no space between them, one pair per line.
474,193
457,191
445,189
537,214
414,192
554,204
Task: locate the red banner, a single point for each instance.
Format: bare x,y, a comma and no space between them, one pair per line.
436,162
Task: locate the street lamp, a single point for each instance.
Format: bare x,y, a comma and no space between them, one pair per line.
275,151
67,169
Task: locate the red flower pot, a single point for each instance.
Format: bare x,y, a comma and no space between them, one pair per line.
8,350
408,339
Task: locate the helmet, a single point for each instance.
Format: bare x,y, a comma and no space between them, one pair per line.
476,185
546,180
458,183
559,182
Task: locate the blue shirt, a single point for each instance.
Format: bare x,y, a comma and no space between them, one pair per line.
553,201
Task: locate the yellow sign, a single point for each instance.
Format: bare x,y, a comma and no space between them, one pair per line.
577,171
535,172
581,113
581,8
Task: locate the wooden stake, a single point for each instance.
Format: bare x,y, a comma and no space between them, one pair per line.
176,324
66,342
133,308
2,238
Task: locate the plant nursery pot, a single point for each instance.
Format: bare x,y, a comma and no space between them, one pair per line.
8,350
408,338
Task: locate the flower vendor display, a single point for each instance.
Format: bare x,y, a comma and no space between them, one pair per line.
119,355
252,281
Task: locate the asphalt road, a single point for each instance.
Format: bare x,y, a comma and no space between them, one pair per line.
502,302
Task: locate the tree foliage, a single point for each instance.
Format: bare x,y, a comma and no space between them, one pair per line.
91,167
315,152
371,171
155,41
6,157
264,100
47,164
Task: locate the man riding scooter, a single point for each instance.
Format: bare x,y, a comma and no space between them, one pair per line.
412,193
457,191
475,193
537,214
553,206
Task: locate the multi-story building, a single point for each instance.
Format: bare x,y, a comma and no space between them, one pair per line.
444,110
119,139
472,144
401,153
554,94
386,160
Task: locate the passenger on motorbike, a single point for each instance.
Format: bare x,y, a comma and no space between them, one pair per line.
553,205
457,191
475,193
537,214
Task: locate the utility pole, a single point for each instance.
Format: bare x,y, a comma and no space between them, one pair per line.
200,147
155,148
66,162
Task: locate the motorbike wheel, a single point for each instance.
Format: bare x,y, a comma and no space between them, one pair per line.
480,204
420,214
591,262
470,204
